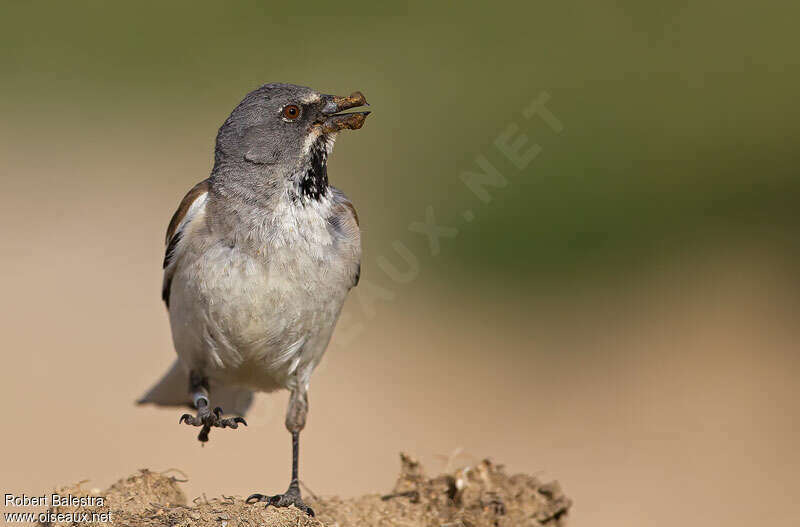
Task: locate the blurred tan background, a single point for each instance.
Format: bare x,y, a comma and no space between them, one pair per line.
622,316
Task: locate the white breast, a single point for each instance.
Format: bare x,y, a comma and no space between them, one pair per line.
258,314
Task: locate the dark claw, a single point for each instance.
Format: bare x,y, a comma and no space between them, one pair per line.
256,498
282,500
232,423
209,420
203,435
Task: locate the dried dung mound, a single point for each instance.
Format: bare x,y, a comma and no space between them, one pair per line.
476,496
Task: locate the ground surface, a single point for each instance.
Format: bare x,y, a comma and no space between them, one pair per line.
475,496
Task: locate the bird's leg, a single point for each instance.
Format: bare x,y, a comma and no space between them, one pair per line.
295,422
292,494
206,418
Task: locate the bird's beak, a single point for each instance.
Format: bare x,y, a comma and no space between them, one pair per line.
334,121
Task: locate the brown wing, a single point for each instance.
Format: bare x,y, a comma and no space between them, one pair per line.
352,210
183,208
175,233
345,221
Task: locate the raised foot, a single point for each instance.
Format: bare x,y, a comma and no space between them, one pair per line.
290,497
209,420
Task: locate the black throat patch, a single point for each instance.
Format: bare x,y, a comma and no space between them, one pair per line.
314,183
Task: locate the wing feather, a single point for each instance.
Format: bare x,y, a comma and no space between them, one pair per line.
190,206
345,219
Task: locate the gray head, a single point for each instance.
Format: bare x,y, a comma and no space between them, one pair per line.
283,132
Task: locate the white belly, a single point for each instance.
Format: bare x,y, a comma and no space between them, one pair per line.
252,320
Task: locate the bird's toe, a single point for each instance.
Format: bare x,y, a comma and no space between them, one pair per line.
255,498
208,419
232,422
288,499
189,419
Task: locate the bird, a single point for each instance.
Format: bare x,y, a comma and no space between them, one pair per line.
259,259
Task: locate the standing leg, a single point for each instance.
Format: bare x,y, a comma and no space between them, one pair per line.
198,387
295,422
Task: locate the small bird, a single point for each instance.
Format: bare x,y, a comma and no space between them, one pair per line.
259,259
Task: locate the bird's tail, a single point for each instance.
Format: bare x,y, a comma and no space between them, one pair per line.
173,390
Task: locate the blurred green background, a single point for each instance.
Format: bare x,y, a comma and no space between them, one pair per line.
622,316
681,126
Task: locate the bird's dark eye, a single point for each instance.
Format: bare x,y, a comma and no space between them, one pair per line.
291,112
